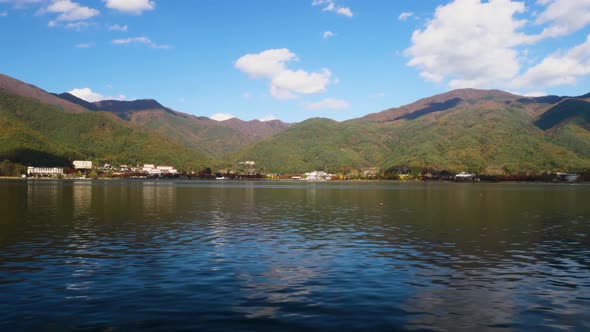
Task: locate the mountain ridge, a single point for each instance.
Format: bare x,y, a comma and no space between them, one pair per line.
482,131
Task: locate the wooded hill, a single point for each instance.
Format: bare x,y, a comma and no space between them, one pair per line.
483,131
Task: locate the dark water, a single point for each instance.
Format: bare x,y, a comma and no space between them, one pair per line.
120,256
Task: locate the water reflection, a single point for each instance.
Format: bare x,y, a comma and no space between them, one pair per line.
255,256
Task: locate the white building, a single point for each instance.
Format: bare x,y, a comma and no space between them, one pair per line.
152,169
318,176
45,170
167,169
82,164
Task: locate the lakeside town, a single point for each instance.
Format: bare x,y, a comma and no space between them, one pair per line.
85,169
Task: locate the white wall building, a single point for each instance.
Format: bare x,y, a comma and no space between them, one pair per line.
152,169
318,176
45,170
82,164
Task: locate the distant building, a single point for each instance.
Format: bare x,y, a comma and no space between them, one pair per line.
318,176
167,169
154,170
82,164
45,171
465,177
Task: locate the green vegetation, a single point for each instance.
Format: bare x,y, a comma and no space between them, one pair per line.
34,133
8,168
475,139
319,144
484,136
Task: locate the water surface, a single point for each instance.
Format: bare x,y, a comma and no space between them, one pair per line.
274,256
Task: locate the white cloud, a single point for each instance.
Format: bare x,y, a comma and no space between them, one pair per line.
344,11
70,11
404,16
301,81
246,95
559,68
265,64
563,16
139,40
328,103
471,43
91,96
221,116
331,6
86,45
269,117
327,34
130,6
284,83
117,27
3,14
86,94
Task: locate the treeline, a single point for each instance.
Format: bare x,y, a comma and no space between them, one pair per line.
8,168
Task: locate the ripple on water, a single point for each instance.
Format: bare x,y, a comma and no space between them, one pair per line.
243,256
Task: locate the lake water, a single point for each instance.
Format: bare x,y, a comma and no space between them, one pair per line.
278,256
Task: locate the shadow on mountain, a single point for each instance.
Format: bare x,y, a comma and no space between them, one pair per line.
569,110
434,107
32,157
541,100
121,108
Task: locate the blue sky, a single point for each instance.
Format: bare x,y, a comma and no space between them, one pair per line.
295,59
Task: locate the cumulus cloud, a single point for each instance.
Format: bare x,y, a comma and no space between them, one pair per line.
404,16
221,116
91,96
328,34
470,42
558,68
117,27
331,6
70,11
139,40
130,6
284,83
328,103
563,16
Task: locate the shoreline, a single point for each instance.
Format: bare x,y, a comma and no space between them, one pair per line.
286,180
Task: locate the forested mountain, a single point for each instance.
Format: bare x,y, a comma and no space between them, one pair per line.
484,131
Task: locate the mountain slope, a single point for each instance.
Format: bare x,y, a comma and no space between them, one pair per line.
568,110
16,87
319,144
29,128
217,138
464,130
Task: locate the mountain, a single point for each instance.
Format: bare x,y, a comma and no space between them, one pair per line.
216,138
16,87
319,144
484,131
568,110
35,133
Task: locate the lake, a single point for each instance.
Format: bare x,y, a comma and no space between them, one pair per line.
290,256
